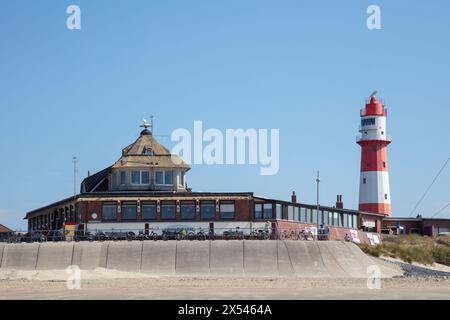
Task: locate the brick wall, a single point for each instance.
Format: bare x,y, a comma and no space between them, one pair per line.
244,210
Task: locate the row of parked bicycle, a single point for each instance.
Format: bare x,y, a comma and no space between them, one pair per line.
113,235
166,234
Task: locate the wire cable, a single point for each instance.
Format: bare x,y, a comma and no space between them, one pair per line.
429,187
439,211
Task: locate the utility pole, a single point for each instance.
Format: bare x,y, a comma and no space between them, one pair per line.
317,219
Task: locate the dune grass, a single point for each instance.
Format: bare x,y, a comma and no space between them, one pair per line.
413,248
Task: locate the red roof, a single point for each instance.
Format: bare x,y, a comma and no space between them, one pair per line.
4,229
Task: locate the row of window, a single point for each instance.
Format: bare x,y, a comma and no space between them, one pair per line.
168,210
368,122
263,211
307,215
161,177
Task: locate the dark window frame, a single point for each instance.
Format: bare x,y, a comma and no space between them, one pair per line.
227,203
171,204
148,204
184,204
111,205
208,203
259,216
128,204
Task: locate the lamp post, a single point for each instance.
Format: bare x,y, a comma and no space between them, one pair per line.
75,161
317,213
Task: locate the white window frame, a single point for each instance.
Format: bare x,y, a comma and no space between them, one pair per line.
157,171
164,178
140,178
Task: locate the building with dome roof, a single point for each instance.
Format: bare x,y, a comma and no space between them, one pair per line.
145,190
145,165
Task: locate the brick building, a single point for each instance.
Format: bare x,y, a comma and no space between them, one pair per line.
419,225
5,232
146,190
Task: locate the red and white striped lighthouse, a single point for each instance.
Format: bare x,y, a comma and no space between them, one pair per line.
374,194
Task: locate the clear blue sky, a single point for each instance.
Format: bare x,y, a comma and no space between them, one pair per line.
304,67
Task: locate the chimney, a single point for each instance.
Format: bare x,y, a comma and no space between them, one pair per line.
339,203
89,173
294,197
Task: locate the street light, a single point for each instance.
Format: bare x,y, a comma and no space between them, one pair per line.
75,161
317,213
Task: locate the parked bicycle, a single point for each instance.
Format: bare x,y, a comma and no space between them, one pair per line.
231,234
260,234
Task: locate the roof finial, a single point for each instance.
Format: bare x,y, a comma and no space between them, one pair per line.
146,125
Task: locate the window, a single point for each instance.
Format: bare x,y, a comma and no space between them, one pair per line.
208,210
148,211
384,164
159,177
227,210
263,211
188,210
303,214
290,213
122,178
267,211
307,215
443,230
345,218
135,177
336,219
109,211
145,177
326,215
168,177
314,216
259,211
296,210
164,177
368,122
285,212
147,152
350,221
140,177
129,211
385,196
355,221
341,220
364,180
168,210
278,211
